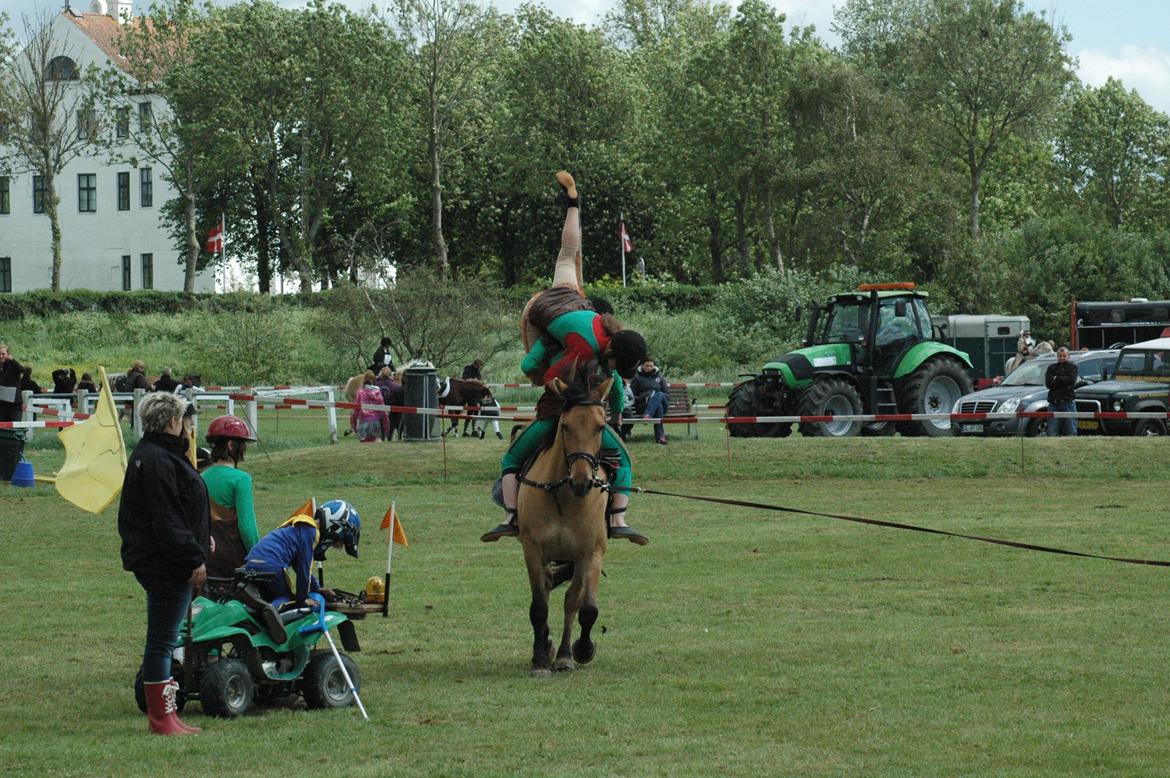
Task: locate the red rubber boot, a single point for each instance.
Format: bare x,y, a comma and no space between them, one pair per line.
171,693
160,709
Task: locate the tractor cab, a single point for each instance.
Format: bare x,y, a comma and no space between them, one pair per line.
878,322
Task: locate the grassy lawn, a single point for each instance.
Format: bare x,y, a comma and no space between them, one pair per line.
740,642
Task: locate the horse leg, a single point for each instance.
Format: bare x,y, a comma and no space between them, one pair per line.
573,599
584,648
538,611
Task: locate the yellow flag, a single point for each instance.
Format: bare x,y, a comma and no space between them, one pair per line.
393,520
95,456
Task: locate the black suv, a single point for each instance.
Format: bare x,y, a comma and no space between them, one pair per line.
1140,382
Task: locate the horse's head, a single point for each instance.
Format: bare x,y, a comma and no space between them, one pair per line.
582,421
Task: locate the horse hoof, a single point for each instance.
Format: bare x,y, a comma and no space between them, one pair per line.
564,665
584,651
540,672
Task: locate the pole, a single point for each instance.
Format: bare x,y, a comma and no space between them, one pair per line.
622,240
389,560
727,430
443,438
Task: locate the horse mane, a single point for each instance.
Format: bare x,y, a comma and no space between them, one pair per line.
580,383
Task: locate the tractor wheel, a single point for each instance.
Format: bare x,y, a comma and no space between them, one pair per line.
830,397
227,689
180,695
745,401
323,683
934,387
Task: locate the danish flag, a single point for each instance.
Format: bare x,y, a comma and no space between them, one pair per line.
627,244
215,239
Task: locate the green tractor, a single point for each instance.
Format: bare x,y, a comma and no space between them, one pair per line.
866,352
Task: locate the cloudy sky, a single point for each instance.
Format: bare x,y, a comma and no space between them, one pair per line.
1126,39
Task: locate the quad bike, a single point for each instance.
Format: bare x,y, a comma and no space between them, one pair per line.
230,656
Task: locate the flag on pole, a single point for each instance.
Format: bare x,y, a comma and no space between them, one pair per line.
95,456
308,509
392,522
215,238
627,244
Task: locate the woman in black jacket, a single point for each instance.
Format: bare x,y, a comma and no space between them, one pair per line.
164,519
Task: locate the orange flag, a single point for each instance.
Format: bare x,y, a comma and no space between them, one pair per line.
308,509
391,518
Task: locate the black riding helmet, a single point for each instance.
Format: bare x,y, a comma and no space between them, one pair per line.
628,350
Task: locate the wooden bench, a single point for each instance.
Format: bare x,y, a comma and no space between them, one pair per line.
678,403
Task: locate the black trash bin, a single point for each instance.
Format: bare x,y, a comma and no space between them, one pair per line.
420,387
11,447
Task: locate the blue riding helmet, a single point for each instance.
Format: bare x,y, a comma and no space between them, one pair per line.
340,523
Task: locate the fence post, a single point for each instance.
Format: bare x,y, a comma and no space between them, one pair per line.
83,401
231,406
250,406
138,395
331,412
26,412
193,399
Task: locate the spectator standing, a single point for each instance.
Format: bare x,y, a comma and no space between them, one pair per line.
10,371
369,425
651,396
86,383
136,377
1061,380
64,380
166,382
474,371
163,520
383,357
27,384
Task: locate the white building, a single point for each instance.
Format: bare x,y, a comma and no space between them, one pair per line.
113,236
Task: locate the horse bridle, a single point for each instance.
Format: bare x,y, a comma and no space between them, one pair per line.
593,460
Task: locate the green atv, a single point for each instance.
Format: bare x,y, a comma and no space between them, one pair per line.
866,352
228,657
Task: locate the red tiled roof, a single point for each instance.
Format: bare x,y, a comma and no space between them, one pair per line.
102,30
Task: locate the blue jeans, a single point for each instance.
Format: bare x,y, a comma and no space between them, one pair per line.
1062,427
655,408
167,598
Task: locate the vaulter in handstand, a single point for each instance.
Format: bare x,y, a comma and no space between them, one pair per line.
561,331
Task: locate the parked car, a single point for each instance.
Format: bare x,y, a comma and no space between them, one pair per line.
1024,390
1139,384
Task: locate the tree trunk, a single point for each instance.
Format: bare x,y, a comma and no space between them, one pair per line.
192,240
976,178
741,234
263,237
437,240
51,203
773,241
715,235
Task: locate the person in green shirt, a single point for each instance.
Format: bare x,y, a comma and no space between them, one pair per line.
562,332
229,489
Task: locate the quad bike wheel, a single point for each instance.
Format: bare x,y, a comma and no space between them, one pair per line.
323,683
830,397
745,401
227,689
140,689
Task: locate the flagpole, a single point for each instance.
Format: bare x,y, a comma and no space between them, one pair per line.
389,559
622,240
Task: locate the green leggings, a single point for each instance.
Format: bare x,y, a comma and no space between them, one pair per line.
529,440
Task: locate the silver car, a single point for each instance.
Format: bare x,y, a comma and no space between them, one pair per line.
1024,390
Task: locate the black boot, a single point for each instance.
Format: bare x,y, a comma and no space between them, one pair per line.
624,533
506,530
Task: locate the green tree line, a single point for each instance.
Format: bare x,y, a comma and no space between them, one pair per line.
947,142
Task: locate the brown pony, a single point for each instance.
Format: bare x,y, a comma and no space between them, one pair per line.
561,514
460,392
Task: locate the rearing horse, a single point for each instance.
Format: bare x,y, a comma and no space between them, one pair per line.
561,514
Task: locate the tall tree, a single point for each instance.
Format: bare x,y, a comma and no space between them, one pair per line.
447,42
984,71
49,110
1114,147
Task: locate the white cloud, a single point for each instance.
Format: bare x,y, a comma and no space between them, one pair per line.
1144,68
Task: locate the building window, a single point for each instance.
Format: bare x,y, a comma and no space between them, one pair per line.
5,274
86,124
122,123
38,194
146,188
5,195
125,272
148,271
87,192
62,69
144,117
123,191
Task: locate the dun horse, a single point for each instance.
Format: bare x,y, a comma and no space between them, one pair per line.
561,514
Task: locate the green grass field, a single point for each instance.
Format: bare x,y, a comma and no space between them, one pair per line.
739,642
